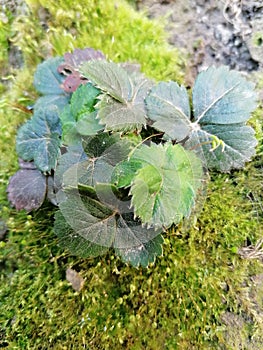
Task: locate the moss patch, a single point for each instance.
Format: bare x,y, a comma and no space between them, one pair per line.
179,302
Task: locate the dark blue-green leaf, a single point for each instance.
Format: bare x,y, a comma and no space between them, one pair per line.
39,139
168,106
221,96
47,79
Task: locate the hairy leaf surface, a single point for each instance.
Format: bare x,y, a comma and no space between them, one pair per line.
27,189
164,189
122,107
239,145
39,139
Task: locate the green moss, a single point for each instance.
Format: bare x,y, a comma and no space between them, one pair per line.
179,302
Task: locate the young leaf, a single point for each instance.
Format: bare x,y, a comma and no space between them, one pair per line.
39,139
27,189
83,100
168,106
47,81
164,189
122,107
124,172
80,117
223,101
143,254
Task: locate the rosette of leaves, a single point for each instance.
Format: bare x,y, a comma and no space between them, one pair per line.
122,194
123,158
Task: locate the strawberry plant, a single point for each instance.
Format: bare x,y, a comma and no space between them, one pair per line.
125,158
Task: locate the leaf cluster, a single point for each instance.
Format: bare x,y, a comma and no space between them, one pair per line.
125,158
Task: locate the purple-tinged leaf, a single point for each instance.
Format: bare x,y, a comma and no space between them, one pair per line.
75,59
27,189
26,165
72,61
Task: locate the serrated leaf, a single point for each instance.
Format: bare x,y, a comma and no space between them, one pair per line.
79,118
168,106
104,152
122,107
223,101
99,225
39,139
88,125
72,61
109,77
239,145
76,244
74,155
27,189
143,254
83,100
164,189
221,96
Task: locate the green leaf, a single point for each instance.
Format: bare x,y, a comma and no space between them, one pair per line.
76,244
83,100
39,139
223,101
239,145
88,222
143,254
67,162
88,124
48,81
124,172
221,96
168,106
104,152
164,189
122,107
109,77
80,117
